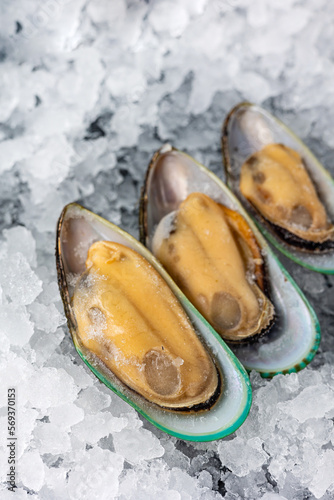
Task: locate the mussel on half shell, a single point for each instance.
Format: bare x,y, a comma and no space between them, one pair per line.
279,181
140,335
174,184
228,286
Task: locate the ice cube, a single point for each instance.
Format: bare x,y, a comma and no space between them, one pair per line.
51,439
19,282
66,415
94,427
46,318
32,470
254,87
55,485
323,477
50,293
81,375
128,81
93,399
95,476
45,344
137,445
14,150
49,387
303,407
16,324
28,422
19,239
169,17
251,451
99,12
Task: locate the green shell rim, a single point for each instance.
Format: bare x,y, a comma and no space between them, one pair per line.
316,325
227,167
234,360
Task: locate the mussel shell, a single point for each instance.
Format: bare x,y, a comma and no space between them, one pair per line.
247,129
294,338
77,229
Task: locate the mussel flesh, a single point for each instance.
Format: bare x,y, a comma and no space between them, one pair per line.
127,315
281,184
275,181
213,256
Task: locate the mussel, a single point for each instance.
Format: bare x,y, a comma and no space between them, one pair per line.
228,285
128,316
176,187
281,184
139,334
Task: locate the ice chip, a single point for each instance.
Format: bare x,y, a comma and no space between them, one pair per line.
312,402
94,427
66,415
51,439
20,239
95,476
93,399
16,324
49,387
169,16
32,470
88,91
137,445
323,478
253,456
46,318
19,282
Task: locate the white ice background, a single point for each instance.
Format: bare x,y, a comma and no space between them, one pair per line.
88,90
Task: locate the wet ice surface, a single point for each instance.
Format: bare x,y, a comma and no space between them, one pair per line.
89,89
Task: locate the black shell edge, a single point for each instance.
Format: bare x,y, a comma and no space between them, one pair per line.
299,243
61,275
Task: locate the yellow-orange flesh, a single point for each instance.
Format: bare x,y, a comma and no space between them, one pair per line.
277,183
213,256
128,317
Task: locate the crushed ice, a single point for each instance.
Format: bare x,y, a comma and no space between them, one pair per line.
89,89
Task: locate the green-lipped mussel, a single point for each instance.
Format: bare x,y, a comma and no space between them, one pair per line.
207,242
139,334
281,184
212,255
